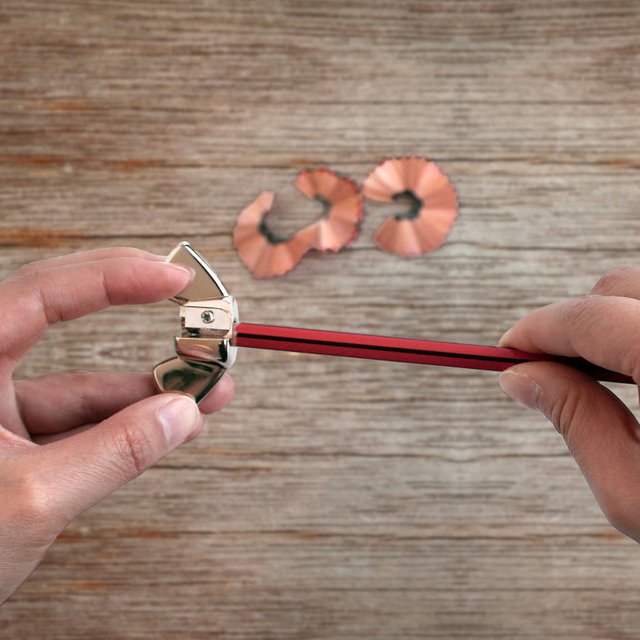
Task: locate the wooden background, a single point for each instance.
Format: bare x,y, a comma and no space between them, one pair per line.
334,499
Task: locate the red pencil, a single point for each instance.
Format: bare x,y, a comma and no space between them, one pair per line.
445,354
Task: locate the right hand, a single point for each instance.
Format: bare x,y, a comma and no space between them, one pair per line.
601,432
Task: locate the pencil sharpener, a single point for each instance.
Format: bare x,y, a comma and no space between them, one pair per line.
208,315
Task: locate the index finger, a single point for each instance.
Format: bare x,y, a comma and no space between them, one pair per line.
82,256
604,330
33,301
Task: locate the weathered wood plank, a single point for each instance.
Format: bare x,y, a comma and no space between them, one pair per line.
333,498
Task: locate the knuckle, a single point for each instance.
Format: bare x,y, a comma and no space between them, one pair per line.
133,449
614,280
578,315
564,414
33,514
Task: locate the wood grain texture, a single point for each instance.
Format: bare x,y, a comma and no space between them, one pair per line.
334,499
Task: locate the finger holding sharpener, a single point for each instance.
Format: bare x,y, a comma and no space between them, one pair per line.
208,315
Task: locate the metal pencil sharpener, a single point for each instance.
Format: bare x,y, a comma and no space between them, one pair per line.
208,315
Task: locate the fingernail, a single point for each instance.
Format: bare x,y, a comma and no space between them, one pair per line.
521,388
181,268
504,340
179,418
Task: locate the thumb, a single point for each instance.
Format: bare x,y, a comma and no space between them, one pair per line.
88,466
599,429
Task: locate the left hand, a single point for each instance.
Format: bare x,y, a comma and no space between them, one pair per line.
69,440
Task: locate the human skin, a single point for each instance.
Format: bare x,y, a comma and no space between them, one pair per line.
601,432
69,440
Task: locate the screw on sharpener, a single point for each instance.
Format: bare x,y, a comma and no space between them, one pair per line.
208,315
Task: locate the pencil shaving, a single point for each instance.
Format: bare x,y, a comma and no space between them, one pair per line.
432,199
341,197
266,254
262,252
